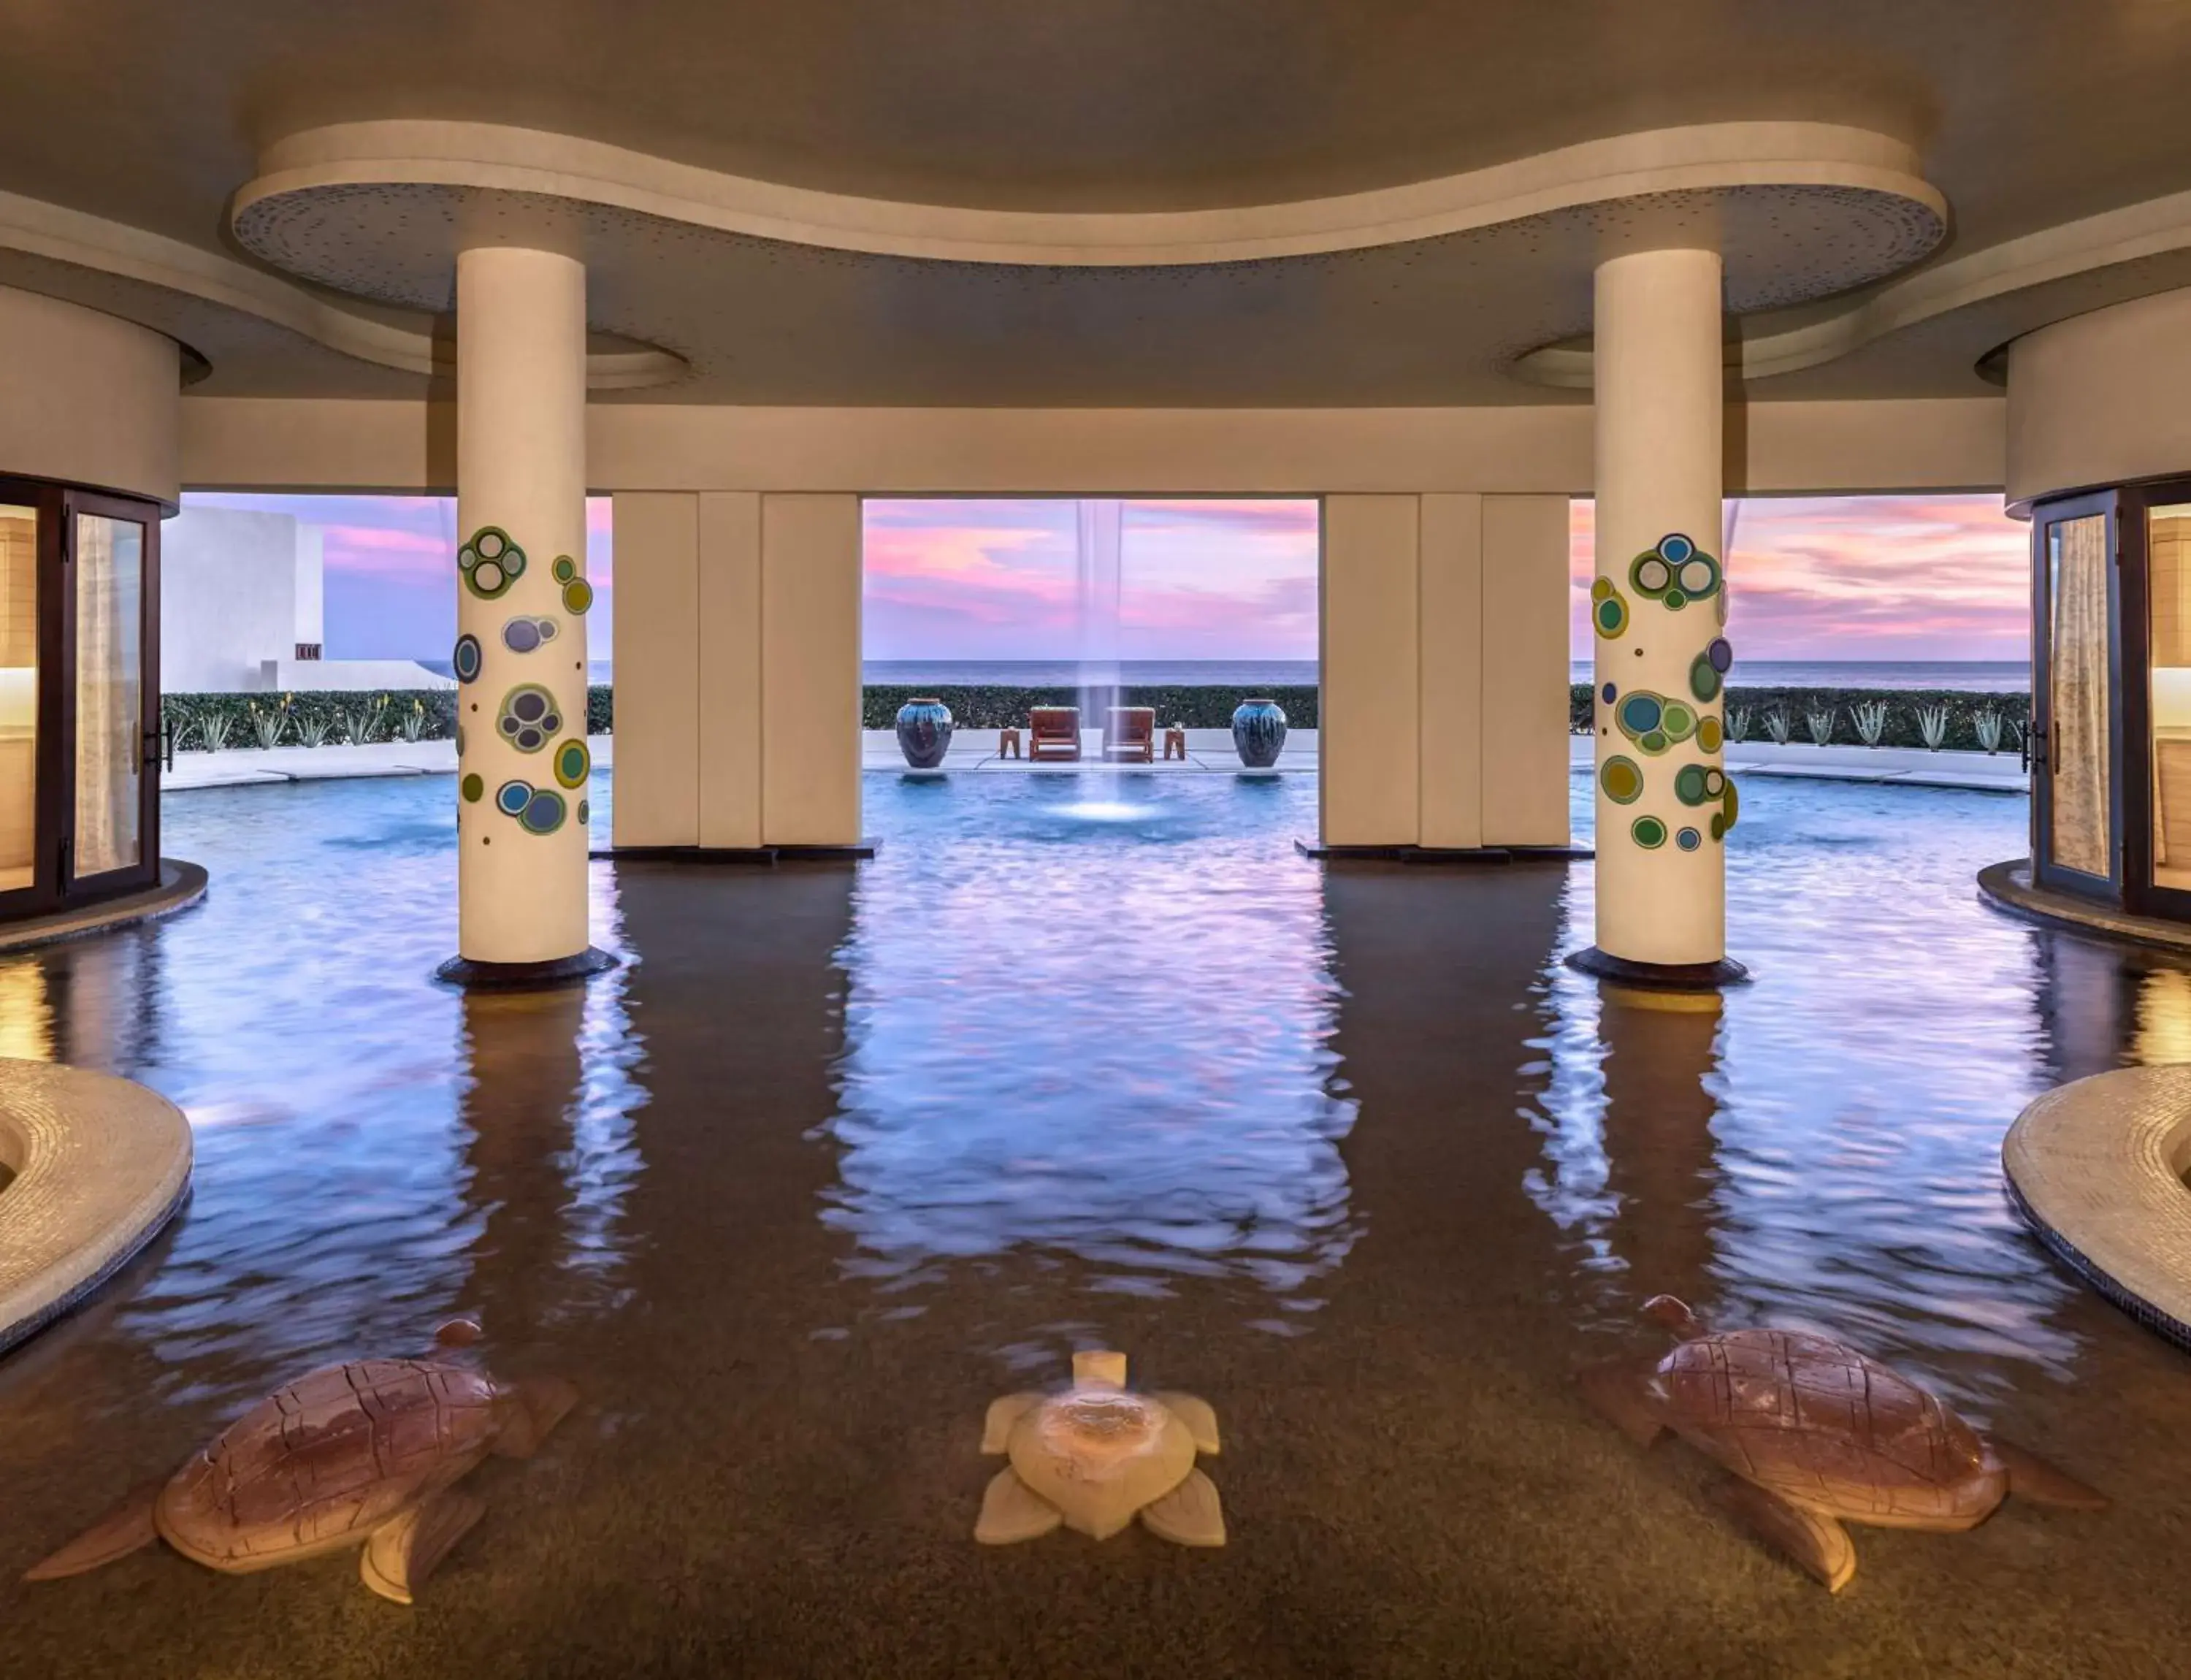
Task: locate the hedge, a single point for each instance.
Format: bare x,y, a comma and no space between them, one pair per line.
987,707
1902,705
992,708
185,717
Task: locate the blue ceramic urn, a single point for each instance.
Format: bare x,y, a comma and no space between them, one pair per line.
923,732
1259,732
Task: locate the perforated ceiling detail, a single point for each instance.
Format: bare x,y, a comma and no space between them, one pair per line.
763,321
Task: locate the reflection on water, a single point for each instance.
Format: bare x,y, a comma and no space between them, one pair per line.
352,1183
839,1154
1063,1038
1841,1144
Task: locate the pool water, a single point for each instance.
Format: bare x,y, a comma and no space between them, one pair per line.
840,1154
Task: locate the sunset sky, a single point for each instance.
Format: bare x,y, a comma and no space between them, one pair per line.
1846,577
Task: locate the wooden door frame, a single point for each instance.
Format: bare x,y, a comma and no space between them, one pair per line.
2133,563
74,888
48,817
2045,872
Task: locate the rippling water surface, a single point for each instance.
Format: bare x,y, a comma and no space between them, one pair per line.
840,1153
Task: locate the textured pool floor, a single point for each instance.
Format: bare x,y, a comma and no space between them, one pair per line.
842,1153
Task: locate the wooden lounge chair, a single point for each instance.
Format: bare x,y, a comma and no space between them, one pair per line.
1130,734
1053,733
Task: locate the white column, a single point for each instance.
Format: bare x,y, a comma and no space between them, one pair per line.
522,600
1659,605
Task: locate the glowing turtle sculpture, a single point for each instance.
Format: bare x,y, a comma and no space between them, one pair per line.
363,1454
1096,1456
1820,1435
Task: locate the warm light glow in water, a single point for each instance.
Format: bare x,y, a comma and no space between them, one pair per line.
1104,811
26,1020
2164,1017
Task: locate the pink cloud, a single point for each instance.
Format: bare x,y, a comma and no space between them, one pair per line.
1210,579
1926,577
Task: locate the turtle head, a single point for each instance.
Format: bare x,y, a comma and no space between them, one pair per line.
1098,1369
1669,1312
457,1333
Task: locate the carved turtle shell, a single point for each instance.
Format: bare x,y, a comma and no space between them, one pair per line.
317,1466
1098,1456
1823,1426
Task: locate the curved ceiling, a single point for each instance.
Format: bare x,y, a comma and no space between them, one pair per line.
1333,203
858,300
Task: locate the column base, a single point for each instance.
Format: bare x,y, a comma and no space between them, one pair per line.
485,976
1661,976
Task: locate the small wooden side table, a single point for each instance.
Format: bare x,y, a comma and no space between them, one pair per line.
1176,741
1007,744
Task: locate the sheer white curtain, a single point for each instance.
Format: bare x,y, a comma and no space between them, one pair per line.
2077,655
110,582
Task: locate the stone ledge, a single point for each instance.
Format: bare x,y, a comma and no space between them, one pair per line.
181,885
2096,1167
100,1165
2008,886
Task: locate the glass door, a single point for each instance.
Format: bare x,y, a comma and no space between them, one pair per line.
2076,770
111,691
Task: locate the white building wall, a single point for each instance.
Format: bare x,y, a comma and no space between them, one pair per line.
239,590
311,602
227,598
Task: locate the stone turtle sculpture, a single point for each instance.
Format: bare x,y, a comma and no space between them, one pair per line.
1821,1435
363,1454
1097,1455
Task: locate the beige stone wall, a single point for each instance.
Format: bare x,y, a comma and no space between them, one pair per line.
737,658
2101,399
270,444
86,398
1445,671
658,630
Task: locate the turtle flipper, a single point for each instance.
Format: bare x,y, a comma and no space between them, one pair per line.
538,1405
997,1427
2030,1477
1616,1390
1199,1416
1189,1515
1813,1541
126,1529
402,1553
1012,1511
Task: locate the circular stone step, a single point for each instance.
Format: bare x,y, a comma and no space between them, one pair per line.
99,1166
2097,1167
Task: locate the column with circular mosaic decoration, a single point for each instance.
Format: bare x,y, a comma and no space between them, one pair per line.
1659,614
522,763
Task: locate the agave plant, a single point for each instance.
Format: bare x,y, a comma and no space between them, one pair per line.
1738,723
360,723
1871,719
1989,725
269,724
312,728
1780,726
1820,723
414,722
1933,726
213,726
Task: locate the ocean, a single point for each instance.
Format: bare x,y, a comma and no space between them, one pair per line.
1986,676
1983,676
1991,676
